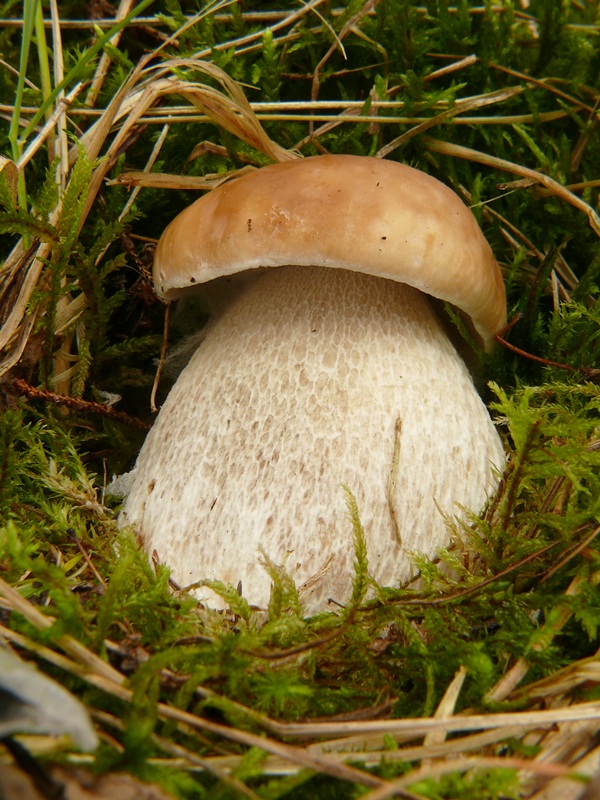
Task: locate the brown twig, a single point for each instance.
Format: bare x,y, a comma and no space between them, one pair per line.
439,601
571,553
77,404
287,652
589,372
161,361
86,557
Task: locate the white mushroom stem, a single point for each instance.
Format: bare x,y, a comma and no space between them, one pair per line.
314,379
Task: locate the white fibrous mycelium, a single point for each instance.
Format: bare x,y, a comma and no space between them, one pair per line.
314,381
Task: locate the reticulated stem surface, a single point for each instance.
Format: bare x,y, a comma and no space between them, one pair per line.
314,379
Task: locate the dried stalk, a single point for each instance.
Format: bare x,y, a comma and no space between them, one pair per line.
125,6
449,149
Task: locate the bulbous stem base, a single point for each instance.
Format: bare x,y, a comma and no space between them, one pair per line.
313,380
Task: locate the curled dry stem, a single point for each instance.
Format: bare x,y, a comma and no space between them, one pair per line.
450,149
139,92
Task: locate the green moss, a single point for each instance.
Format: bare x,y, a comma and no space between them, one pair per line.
497,594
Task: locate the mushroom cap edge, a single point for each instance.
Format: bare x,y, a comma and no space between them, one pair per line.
348,212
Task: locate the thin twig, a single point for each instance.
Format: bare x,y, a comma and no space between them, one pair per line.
392,479
77,404
161,360
589,372
440,601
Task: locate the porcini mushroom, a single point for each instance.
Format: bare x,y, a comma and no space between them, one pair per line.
331,371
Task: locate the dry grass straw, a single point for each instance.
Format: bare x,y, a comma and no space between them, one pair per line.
141,91
554,721
458,151
561,728
136,103
23,270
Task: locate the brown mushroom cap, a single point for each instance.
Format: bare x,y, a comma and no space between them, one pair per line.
347,212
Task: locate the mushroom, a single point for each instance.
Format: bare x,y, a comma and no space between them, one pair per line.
331,371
